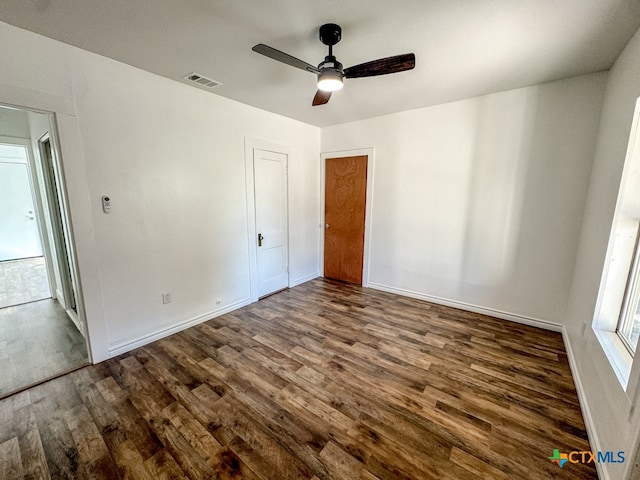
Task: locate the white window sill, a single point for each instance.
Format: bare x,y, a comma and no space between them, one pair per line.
619,357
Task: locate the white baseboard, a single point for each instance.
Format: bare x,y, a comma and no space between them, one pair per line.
301,280
513,317
594,441
121,348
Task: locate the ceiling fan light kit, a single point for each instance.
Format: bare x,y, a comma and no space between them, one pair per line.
330,73
330,81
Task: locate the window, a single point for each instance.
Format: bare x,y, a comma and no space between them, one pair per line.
616,322
628,328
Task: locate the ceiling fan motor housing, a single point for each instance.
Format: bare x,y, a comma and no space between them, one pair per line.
330,33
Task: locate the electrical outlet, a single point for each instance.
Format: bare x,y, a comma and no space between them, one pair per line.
166,298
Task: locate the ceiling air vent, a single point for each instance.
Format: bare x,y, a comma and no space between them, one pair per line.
201,80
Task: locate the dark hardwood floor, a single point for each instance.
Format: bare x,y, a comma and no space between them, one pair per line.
323,381
38,341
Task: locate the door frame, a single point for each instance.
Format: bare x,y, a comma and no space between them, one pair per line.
67,142
79,315
60,230
370,154
40,183
251,144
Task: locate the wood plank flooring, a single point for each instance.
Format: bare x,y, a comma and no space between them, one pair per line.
323,381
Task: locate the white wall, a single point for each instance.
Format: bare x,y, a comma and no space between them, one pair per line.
607,406
480,202
172,159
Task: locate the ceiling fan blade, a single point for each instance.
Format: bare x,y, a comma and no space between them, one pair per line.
270,52
382,66
321,98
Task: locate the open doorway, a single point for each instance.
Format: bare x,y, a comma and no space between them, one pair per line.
42,334
22,264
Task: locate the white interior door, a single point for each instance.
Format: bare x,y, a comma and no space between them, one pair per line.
270,177
19,236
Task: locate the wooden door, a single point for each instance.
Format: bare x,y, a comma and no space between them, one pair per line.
344,214
270,174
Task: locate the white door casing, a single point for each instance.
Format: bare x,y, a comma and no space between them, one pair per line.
271,222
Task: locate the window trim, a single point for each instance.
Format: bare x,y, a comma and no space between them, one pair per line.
631,299
619,357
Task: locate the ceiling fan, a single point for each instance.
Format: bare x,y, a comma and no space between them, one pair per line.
330,73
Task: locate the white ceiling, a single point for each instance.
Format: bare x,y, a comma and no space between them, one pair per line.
464,48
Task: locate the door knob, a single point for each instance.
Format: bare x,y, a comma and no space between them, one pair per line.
326,225
260,238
